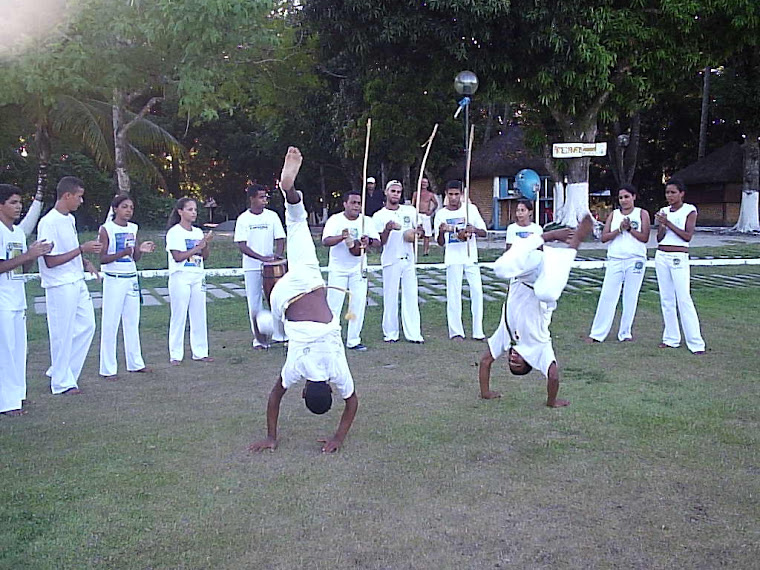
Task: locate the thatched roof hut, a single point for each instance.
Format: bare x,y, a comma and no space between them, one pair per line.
719,167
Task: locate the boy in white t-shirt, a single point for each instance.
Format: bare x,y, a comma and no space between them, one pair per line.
396,225
539,275
260,237
347,234
457,227
15,258
70,314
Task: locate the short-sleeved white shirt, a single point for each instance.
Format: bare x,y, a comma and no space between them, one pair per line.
180,239
456,250
396,248
678,219
340,258
12,293
120,238
258,231
61,230
516,231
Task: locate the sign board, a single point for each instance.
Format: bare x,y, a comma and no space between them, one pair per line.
578,150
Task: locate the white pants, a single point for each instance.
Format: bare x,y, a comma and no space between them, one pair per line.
357,285
254,289
121,304
13,359
674,281
71,326
187,294
454,275
401,272
627,274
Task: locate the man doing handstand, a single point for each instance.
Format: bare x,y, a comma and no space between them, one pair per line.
315,348
538,277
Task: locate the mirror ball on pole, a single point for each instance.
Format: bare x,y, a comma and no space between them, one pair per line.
465,83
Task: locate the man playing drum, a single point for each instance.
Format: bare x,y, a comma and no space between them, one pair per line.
260,237
315,350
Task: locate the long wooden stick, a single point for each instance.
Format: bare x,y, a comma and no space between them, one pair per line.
428,144
467,184
364,195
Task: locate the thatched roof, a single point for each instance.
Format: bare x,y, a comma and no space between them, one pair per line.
504,155
723,165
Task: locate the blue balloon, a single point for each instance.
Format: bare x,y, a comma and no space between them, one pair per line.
528,182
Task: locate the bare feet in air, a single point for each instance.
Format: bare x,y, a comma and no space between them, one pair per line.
290,168
584,229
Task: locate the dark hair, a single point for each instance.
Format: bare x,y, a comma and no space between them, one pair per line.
119,198
174,217
317,396
68,184
678,183
630,188
527,203
8,190
252,190
349,193
454,184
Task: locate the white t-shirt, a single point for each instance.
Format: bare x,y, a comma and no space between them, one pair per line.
180,239
12,294
119,238
678,219
258,231
456,250
516,231
61,230
624,245
396,248
340,258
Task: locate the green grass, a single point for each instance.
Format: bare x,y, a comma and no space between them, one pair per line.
654,465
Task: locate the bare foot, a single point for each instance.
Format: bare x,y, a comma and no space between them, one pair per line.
558,404
590,340
175,362
112,378
204,359
583,229
490,395
457,338
143,370
14,413
290,168
71,392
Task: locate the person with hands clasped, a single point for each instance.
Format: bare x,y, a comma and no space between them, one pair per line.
342,235
187,248
70,314
676,222
627,231
15,259
457,226
396,225
121,288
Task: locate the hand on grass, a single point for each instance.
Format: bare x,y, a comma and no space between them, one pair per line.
330,445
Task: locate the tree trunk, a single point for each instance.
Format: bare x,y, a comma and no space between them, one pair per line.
323,188
120,142
632,153
406,180
576,198
44,151
383,177
748,213
705,113
489,122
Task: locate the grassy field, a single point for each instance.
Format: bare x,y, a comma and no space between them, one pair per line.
654,465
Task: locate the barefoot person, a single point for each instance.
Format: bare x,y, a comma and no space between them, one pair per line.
315,349
187,250
627,230
121,289
539,278
15,259
70,314
677,222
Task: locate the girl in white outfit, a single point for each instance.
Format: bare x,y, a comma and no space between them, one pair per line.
627,230
524,225
121,289
187,249
677,222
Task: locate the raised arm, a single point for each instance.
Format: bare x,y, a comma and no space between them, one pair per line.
29,222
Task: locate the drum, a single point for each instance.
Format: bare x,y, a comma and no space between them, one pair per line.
271,272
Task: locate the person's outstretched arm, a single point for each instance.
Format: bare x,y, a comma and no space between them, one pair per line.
29,222
273,414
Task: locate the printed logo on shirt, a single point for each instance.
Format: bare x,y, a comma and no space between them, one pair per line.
353,232
195,260
407,221
634,225
459,224
12,251
523,234
638,266
258,227
123,241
